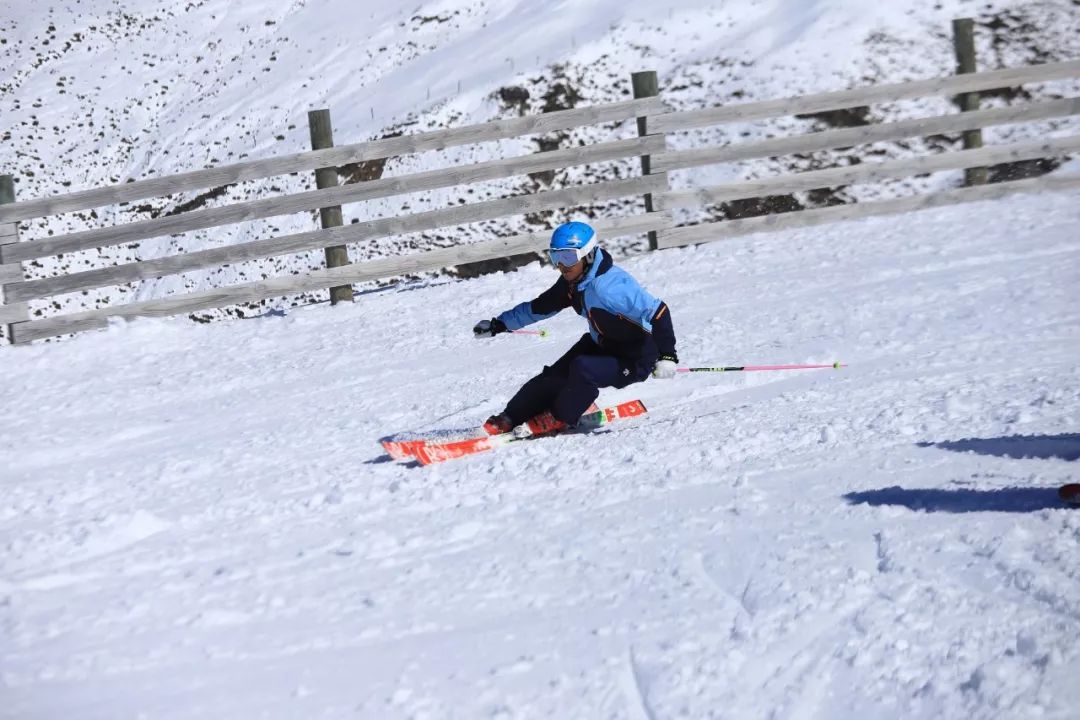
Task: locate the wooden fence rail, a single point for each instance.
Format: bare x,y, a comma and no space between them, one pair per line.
330,157
869,172
356,272
669,122
11,273
317,239
652,117
710,232
341,195
863,135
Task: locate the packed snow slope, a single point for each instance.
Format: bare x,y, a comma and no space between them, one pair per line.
198,521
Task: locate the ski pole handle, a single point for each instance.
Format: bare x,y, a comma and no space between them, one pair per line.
542,332
752,368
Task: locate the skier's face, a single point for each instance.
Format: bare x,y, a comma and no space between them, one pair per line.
574,272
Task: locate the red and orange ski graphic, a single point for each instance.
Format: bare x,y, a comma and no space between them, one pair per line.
404,445
435,451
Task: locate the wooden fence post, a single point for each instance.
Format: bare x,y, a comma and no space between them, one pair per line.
10,272
964,44
322,137
645,85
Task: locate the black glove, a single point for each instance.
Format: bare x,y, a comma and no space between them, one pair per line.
489,328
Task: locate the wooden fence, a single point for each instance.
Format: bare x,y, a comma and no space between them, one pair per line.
655,123
867,171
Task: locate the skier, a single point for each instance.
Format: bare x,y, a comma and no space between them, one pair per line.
630,335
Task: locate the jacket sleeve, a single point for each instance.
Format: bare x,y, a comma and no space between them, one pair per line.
664,332
549,303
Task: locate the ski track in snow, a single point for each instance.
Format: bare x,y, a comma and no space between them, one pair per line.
195,521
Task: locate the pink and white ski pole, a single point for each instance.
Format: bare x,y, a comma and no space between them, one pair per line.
752,368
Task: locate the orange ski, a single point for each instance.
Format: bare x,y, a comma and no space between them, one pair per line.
404,445
433,451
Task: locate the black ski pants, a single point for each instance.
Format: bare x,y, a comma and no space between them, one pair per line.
569,385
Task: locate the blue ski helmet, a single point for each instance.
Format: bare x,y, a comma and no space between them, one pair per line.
570,243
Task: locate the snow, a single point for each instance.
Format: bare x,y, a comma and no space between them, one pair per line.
198,521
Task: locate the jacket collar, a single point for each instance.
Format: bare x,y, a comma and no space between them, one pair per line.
601,265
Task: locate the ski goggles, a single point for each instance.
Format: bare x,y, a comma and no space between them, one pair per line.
565,256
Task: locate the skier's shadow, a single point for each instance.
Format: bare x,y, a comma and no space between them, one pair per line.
1065,446
962,500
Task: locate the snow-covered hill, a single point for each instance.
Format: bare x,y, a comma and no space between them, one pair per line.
101,91
198,521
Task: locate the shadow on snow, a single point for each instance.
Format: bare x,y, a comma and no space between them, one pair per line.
1044,447
962,500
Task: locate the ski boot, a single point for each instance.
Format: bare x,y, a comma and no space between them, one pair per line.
498,424
545,424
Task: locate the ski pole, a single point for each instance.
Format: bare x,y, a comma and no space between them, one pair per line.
750,368
541,332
